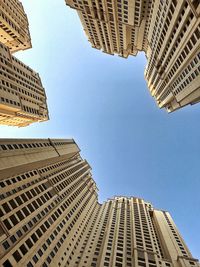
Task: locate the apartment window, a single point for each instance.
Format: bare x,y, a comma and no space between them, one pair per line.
29,264
13,239
6,245
17,256
23,249
7,264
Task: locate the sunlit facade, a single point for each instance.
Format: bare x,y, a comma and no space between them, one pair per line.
167,31
14,27
50,214
22,96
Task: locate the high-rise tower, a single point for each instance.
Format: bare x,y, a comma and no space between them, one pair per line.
22,96
119,27
14,28
167,31
50,215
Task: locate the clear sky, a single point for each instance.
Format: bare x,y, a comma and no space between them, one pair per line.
102,101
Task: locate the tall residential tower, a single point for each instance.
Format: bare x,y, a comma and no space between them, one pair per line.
50,215
14,28
168,31
22,96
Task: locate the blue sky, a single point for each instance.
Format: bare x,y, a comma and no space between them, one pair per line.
103,102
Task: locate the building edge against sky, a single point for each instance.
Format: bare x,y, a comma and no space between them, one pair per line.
22,96
50,214
167,31
14,27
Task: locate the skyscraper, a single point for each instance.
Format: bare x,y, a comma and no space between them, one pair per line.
22,96
167,31
14,29
50,215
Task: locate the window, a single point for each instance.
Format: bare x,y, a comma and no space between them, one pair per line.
6,245
17,256
13,239
7,264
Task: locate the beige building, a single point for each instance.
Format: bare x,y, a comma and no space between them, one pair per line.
50,215
14,28
168,31
22,96
115,27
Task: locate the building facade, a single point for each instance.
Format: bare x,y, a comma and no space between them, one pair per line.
116,27
50,214
22,96
14,28
168,31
